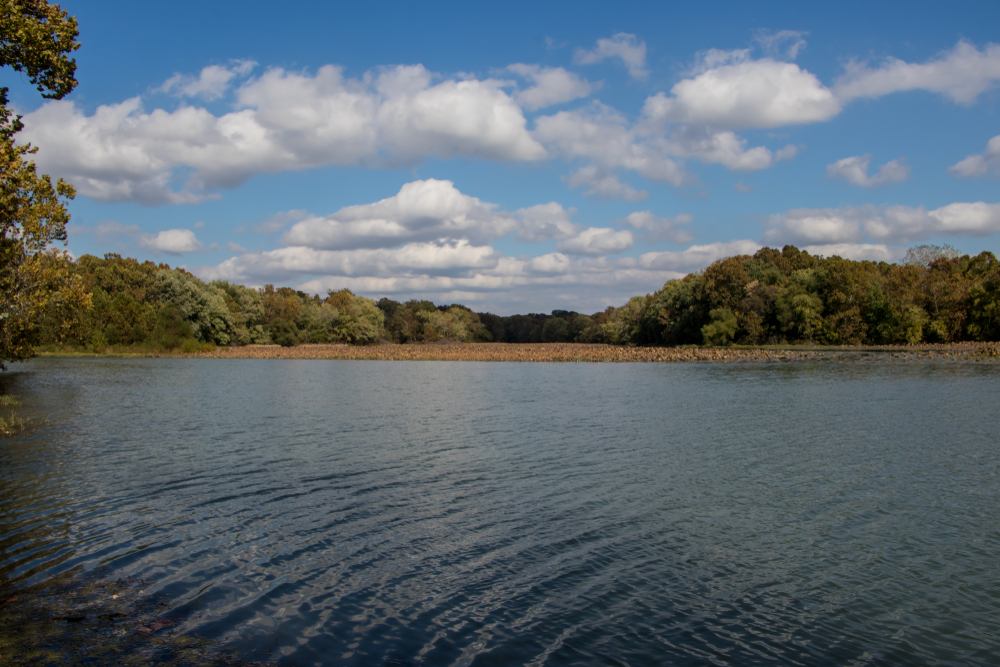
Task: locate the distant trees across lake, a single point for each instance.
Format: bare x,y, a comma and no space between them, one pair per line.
774,296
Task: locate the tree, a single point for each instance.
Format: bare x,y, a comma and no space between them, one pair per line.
721,329
35,38
925,255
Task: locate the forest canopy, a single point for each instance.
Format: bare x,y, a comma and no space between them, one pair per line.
786,296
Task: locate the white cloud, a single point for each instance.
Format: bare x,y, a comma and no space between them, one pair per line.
735,93
604,136
961,74
603,185
278,221
459,264
287,121
742,187
390,117
782,43
544,222
421,211
697,256
974,166
659,227
287,263
171,241
730,90
622,45
211,84
553,85
597,241
725,148
457,272
401,115
453,118
110,228
854,170
888,224
905,223
873,252
816,226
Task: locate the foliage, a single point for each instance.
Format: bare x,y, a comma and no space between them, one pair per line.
722,327
774,296
35,38
202,305
789,296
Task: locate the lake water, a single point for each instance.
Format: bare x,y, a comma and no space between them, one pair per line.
433,513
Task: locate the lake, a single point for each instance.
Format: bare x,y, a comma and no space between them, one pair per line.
448,513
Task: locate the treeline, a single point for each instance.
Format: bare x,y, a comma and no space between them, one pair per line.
789,296
149,305
773,296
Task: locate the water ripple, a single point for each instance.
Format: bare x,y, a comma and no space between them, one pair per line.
340,513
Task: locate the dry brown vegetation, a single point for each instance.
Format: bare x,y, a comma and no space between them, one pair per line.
566,352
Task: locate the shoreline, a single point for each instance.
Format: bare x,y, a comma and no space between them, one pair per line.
574,352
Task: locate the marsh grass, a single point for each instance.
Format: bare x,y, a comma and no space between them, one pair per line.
74,619
10,422
147,349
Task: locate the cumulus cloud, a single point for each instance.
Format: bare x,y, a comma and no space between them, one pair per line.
212,83
697,256
113,228
659,228
171,241
892,224
545,222
974,166
440,248
854,170
401,115
285,121
597,241
606,139
725,148
288,263
278,221
817,226
447,272
732,90
553,85
420,211
907,224
623,46
735,92
603,184
609,142
872,252
961,74
397,116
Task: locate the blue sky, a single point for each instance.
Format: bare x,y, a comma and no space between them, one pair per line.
521,157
